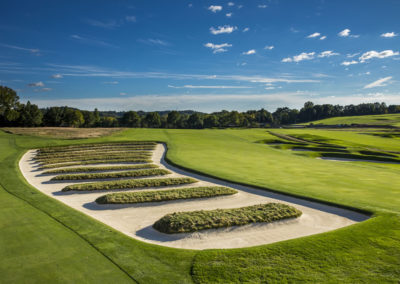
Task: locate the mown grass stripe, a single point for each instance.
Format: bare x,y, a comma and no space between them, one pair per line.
185,222
99,169
124,184
164,195
136,173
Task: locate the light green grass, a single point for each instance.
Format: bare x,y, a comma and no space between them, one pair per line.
99,169
164,195
368,252
379,119
192,221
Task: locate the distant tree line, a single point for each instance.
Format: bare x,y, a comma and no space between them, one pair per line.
14,113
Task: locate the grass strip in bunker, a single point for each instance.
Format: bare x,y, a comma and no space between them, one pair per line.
62,151
93,158
186,222
94,162
99,169
88,152
128,184
136,173
92,145
164,195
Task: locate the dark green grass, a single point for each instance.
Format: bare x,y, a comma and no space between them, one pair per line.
359,157
94,157
124,184
94,162
98,145
164,195
85,153
186,222
99,169
376,153
136,173
65,151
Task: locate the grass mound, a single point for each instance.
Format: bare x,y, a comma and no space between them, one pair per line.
136,173
164,195
94,162
185,222
99,169
124,184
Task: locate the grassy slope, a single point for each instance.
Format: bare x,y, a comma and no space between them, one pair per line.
379,119
371,249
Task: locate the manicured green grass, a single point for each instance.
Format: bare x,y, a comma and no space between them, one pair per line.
124,184
186,222
94,162
136,173
99,169
164,195
365,252
380,119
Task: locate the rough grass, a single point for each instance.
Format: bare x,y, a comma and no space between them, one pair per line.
93,158
380,119
94,162
164,195
124,184
136,173
359,157
185,222
90,146
62,151
63,132
99,169
88,152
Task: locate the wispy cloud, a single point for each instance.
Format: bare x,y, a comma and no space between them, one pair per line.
269,47
57,76
347,63
351,55
327,53
208,87
250,52
313,35
215,8
31,50
218,48
92,41
347,33
263,6
302,56
229,15
226,29
36,84
110,24
378,83
230,4
154,41
130,19
111,83
375,54
388,35
323,37
246,30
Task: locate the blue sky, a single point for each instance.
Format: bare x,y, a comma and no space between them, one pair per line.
200,55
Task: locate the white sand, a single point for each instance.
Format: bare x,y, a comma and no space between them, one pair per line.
136,220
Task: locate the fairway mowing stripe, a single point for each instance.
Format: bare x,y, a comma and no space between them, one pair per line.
69,228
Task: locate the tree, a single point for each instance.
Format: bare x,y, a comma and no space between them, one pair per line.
29,115
210,121
152,120
131,119
173,119
195,121
73,118
9,102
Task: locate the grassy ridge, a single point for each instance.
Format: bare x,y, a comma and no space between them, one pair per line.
124,184
99,169
93,158
185,222
100,145
94,162
164,195
136,173
95,148
87,152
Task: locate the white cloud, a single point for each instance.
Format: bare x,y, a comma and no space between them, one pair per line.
130,19
346,33
323,37
57,76
375,54
208,87
347,63
230,4
378,83
262,6
250,52
106,25
226,29
111,83
351,55
92,41
302,56
217,48
229,15
327,53
269,47
314,35
122,94
154,41
31,50
36,84
246,30
269,88
392,34
215,9
46,89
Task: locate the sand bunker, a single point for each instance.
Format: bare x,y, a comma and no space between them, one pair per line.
136,220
